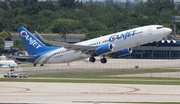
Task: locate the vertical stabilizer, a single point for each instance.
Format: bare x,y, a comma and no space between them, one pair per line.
32,45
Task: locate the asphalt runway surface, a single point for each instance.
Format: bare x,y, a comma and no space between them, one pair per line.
83,93
78,93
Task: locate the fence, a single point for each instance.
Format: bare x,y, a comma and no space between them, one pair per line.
172,66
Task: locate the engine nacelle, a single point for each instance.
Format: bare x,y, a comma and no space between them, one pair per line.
103,49
123,52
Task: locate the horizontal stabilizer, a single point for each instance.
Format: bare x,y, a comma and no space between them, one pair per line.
21,57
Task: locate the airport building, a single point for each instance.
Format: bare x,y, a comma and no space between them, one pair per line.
167,49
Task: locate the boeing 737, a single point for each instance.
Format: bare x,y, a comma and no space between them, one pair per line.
110,45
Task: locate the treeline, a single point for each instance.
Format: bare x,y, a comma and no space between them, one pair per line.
73,16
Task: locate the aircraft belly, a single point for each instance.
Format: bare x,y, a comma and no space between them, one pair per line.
65,58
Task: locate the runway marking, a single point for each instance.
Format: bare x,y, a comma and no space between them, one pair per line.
127,92
8,89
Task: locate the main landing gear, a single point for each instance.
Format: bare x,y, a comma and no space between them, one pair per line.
40,65
103,60
92,59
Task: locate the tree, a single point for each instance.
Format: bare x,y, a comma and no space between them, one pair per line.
61,25
66,3
18,44
109,2
160,4
64,33
5,34
1,43
95,26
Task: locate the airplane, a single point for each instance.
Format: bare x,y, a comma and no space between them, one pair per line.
8,64
123,52
110,45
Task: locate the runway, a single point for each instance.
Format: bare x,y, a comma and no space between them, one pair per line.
83,93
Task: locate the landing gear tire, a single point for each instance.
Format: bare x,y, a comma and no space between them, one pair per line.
42,64
103,60
34,64
92,59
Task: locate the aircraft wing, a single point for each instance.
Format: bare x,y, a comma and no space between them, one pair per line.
82,48
21,57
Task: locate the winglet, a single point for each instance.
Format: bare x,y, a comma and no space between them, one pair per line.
47,41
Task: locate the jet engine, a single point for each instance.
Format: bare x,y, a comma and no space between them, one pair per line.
123,52
103,49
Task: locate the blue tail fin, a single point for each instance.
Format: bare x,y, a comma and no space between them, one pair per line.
32,45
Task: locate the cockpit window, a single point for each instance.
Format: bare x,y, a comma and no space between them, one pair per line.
159,27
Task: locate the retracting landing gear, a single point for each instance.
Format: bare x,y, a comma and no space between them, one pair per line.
103,60
92,59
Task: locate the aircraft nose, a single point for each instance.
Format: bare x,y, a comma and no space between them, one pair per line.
167,31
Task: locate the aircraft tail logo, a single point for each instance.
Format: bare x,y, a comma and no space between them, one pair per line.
32,45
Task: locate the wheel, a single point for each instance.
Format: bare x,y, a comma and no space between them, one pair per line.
34,64
42,64
20,77
92,59
103,60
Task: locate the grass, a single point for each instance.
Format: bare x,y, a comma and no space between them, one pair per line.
102,73
154,82
100,76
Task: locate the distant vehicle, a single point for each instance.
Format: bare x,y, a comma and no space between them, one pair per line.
10,74
23,75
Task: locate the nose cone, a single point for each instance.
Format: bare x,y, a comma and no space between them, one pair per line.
167,31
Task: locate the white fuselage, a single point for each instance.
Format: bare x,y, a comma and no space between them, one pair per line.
8,63
134,37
